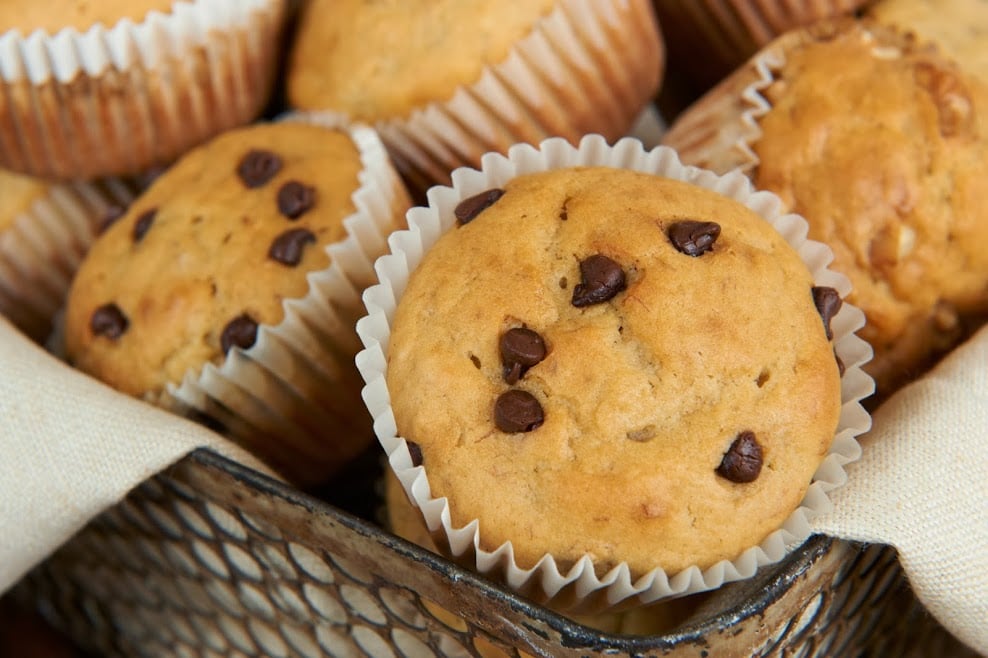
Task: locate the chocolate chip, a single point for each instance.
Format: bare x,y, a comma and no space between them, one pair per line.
600,279
294,199
828,302
693,238
143,224
521,348
468,209
108,320
287,247
241,332
840,363
258,167
110,217
415,450
475,361
743,460
517,411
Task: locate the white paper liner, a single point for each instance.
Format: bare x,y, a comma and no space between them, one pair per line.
589,66
44,245
545,581
293,397
116,100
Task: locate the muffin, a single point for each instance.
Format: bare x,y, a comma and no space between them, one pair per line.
45,229
231,285
958,27
468,77
620,366
710,38
881,144
406,522
99,88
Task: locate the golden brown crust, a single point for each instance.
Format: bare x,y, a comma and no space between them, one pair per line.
54,15
123,122
205,258
882,144
958,27
349,57
642,394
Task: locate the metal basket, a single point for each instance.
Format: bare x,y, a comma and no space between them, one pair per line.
212,559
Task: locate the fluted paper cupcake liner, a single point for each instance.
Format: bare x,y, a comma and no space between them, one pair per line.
293,398
719,131
117,100
42,248
590,66
581,586
724,33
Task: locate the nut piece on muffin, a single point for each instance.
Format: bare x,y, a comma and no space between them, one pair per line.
114,88
445,81
229,286
609,363
881,143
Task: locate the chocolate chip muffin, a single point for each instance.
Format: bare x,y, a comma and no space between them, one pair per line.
232,283
470,76
881,143
110,88
619,366
45,228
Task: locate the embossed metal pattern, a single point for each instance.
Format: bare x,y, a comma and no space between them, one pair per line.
211,559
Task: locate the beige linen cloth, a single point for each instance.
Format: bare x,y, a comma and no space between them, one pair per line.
71,447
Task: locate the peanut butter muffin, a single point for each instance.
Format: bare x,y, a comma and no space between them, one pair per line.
881,144
45,229
94,89
619,366
225,250
470,76
958,27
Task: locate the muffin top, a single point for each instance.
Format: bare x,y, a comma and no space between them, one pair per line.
578,381
374,60
17,193
210,251
958,27
881,144
54,15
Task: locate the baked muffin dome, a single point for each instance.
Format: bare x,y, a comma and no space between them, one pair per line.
384,59
882,144
79,14
656,368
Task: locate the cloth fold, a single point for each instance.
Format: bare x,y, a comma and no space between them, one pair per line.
922,486
72,447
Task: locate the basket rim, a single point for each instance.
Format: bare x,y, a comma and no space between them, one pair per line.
777,581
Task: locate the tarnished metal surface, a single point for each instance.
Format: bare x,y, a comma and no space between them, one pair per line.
211,559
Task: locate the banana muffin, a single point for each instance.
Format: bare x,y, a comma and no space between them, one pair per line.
108,88
233,246
445,81
609,363
881,143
